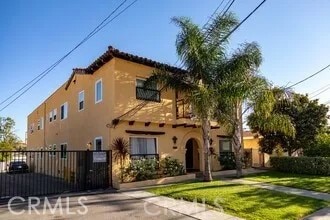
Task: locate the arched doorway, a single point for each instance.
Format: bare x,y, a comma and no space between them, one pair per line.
192,156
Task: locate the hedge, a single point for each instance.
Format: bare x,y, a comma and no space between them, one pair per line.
302,165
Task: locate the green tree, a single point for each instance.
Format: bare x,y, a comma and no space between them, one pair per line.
320,148
199,49
8,138
238,85
308,117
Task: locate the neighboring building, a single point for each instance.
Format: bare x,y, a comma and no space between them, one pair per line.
104,101
251,144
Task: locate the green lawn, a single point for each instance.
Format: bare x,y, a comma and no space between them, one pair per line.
244,201
309,182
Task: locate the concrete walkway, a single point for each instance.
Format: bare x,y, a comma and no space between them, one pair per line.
232,173
284,189
323,214
191,209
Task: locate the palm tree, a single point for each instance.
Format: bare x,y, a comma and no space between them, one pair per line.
238,84
120,148
199,49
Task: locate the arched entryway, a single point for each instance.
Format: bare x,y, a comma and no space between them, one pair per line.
192,156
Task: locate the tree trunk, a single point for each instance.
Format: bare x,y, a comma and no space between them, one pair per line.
237,141
206,128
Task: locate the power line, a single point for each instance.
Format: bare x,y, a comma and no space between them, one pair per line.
247,17
324,90
223,12
314,74
49,69
319,89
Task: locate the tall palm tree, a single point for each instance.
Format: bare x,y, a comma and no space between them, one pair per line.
238,84
199,49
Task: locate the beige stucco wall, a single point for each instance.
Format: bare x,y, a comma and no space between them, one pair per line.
119,96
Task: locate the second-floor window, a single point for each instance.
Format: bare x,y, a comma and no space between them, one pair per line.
64,111
81,100
51,116
98,91
151,93
54,114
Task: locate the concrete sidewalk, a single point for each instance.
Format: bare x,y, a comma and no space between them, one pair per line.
194,210
284,189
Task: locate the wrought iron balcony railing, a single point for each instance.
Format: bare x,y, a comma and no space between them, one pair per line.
147,94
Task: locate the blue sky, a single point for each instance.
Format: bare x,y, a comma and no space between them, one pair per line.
294,37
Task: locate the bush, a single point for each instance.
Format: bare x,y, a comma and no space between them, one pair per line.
144,169
302,165
172,167
227,160
321,147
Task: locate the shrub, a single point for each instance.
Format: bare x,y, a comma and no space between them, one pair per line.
227,160
321,147
172,167
144,169
302,165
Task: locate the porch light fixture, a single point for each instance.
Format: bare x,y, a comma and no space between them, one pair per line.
89,145
174,139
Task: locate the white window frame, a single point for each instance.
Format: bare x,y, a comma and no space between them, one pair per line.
41,123
50,119
136,136
98,138
95,90
83,100
54,114
66,110
66,151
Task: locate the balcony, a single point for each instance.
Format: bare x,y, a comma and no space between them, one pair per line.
183,109
147,94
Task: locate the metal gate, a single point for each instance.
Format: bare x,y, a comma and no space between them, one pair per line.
36,173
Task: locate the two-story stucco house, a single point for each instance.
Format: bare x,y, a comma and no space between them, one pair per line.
107,100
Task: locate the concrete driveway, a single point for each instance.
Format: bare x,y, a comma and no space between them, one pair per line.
99,206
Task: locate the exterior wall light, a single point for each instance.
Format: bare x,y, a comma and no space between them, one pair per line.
174,139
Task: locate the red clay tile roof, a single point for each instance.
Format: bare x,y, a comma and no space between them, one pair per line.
112,52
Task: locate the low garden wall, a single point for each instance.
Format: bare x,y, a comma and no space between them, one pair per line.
164,180
302,165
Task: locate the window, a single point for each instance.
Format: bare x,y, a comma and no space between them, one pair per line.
150,94
98,144
64,111
81,100
63,151
54,114
38,127
31,128
42,123
143,146
51,116
98,91
225,145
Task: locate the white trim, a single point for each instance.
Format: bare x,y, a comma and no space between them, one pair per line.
95,91
81,92
136,136
98,138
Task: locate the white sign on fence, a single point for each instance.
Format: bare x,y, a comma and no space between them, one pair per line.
99,157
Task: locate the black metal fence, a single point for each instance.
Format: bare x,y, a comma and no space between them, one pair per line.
31,173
